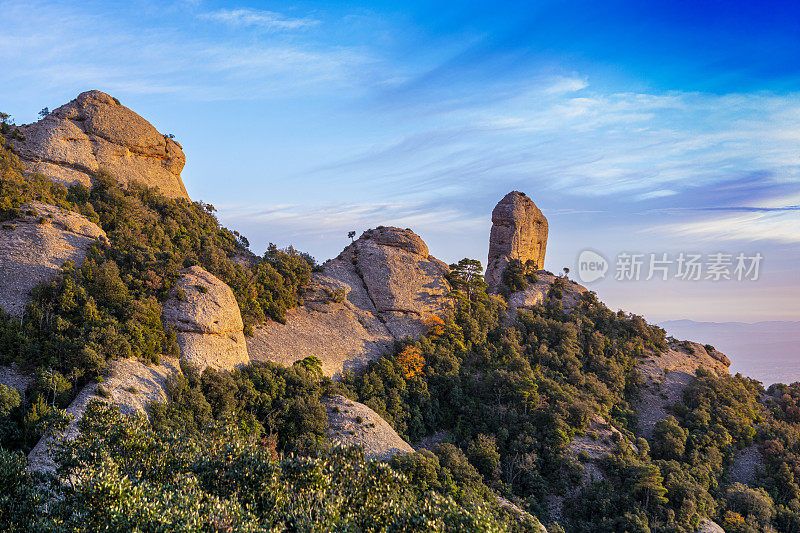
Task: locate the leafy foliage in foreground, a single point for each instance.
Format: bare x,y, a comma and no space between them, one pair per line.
125,476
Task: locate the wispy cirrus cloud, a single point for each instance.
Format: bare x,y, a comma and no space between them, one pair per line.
265,20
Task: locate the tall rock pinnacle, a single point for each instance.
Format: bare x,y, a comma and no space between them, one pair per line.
519,231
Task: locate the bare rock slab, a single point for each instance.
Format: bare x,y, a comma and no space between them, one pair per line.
354,424
93,132
206,318
35,246
667,376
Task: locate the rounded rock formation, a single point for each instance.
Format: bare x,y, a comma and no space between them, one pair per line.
519,231
35,246
95,132
207,321
381,288
354,424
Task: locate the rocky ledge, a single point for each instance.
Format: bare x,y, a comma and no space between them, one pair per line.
382,287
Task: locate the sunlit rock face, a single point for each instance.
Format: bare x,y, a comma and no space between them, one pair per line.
381,288
207,321
94,132
34,248
519,231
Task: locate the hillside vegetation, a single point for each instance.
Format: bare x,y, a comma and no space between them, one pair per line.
111,305
496,396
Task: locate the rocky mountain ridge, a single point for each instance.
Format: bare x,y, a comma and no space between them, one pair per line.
384,287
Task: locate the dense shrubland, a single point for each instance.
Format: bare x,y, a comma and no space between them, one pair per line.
124,475
512,395
241,451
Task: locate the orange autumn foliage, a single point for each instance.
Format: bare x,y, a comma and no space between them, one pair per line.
434,325
411,361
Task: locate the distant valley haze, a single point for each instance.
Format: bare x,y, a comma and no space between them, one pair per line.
766,351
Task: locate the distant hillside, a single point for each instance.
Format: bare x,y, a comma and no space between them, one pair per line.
767,351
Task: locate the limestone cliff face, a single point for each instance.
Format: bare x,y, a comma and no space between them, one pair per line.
35,246
207,320
382,287
519,231
95,132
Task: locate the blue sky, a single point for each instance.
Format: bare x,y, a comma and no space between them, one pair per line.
652,127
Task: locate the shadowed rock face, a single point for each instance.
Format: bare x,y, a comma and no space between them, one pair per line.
95,132
35,246
668,374
519,231
382,287
206,318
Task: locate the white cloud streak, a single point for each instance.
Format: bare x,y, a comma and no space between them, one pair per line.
267,20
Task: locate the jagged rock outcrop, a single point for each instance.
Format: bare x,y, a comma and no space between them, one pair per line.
590,449
382,287
35,246
354,424
207,321
746,464
598,441
93,132
667,375
129,384
519,231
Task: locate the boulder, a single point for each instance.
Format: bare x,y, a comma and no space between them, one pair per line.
536,293
519,231
668,374
404,285
94,132
381,288
206,318
709,526
35,246
129,384
354,424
